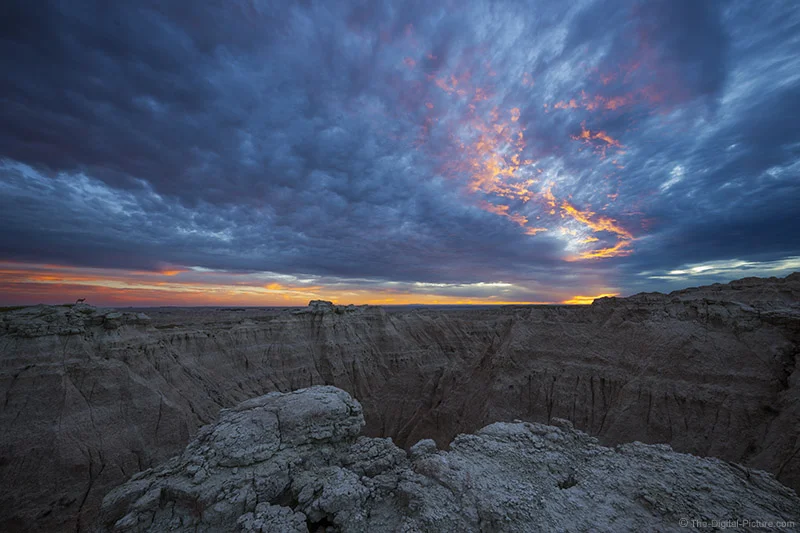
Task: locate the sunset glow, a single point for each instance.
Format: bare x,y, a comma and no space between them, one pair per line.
586,300
53,284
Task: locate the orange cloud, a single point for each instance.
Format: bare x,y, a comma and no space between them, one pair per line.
596,223
566,105
493,164
503,210
620,249
587,135
534,231
609,103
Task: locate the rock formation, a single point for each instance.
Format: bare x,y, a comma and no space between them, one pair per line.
295,463
91,396
324,306
45,320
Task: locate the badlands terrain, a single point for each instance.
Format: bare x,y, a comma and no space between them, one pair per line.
92,397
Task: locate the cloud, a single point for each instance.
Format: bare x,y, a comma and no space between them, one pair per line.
552,148
722,271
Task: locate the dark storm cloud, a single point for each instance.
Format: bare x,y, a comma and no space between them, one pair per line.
686,37
739,189
317,137
75,221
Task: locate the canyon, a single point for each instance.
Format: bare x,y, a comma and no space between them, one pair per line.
94,396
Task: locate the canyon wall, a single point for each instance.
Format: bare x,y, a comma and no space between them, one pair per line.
92,396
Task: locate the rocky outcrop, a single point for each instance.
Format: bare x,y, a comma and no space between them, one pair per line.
324,306
85,406
43,320
295,463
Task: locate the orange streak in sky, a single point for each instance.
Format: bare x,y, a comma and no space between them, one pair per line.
618,250
503,211
596,223
534,231
587,135
598,102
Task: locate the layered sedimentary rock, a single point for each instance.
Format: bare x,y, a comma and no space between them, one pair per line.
92,396
295,463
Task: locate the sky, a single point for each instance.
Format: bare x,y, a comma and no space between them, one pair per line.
248,152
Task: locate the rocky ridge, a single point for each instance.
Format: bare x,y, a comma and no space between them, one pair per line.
324,306
43,320
295,462
90,397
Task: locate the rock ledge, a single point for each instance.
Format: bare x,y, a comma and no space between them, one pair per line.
294,462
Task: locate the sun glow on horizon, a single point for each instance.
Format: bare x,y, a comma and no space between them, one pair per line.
30,284
588,300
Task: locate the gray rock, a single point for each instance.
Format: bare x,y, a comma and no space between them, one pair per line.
422,448
112,320
324,306
272,519
509,477
320,305
44,320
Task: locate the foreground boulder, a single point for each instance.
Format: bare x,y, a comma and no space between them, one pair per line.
295,462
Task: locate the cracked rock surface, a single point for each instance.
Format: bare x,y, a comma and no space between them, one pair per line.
295,462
